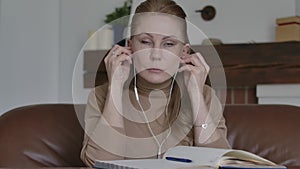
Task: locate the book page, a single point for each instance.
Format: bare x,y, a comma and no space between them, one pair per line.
202,156
245,156
215,157
146,164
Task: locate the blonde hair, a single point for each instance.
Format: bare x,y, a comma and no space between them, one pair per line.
161,6
182,121
168,7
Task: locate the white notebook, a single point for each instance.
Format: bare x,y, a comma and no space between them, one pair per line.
185,157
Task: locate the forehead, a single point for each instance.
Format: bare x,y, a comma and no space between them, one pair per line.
160,24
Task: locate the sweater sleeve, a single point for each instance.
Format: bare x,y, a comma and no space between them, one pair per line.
215,135
94,131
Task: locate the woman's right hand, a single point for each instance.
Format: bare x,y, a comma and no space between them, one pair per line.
117,63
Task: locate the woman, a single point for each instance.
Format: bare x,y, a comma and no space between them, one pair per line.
165,103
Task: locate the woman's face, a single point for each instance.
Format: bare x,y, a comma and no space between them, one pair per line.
157,50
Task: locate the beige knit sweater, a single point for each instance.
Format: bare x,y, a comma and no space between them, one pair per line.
102,142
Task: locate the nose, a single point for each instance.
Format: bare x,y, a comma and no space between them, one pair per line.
155,54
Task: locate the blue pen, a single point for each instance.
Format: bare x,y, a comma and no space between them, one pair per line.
184,160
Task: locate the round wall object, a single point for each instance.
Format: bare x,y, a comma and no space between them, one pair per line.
208,13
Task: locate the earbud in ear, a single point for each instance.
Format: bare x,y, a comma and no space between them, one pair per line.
136,93
186,48
135,88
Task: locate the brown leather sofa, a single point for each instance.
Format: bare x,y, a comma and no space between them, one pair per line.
50,135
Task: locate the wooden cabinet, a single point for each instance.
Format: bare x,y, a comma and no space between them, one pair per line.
245,66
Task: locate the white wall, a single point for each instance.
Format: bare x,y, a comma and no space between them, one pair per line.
41,39
77,18
297,7
278,94
29,43
238,21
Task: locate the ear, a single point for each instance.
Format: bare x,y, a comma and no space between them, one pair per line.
186,49
129,42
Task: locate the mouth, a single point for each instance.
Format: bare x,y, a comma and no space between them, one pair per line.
155,70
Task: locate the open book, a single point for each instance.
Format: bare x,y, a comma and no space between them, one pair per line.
184,157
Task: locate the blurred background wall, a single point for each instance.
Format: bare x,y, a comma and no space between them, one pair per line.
40,40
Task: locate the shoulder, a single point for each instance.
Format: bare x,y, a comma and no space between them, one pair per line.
101,91
96,100
208,92
98,93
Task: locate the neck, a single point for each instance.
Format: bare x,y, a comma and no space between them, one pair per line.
145,88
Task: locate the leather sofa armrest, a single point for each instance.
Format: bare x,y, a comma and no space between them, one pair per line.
41,136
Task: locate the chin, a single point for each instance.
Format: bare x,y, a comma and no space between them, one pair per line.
155,78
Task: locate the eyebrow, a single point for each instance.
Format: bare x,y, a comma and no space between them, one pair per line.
166,37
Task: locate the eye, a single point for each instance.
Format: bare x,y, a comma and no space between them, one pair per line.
169,44
146,42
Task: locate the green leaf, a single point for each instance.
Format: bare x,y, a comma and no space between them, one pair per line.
119,12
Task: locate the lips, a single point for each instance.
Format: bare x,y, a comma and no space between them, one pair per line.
155,70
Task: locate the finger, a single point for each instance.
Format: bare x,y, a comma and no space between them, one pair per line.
115,48
123,58
113,51
188,61
192,69
122,50
127,47
193,60
185,68
185,55
126,51
203,62
117,51
197,60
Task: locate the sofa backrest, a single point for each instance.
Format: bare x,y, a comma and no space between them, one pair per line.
270,131
51,136
41,136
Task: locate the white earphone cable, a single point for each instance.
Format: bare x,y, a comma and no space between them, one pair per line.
146,118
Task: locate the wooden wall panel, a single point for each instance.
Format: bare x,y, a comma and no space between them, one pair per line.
245,66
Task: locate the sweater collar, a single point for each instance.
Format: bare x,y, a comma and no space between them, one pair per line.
144,87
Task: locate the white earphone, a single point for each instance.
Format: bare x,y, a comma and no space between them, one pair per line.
135,87
146,118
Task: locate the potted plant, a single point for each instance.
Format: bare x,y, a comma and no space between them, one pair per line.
118,24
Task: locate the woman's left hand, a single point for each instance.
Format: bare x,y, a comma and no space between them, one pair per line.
195,72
